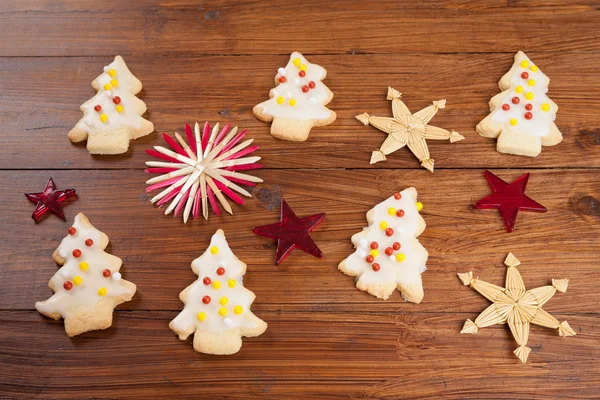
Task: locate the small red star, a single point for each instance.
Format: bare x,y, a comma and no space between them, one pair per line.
49,199
292,232
508,198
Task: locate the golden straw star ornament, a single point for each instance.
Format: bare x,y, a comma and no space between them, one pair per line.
516,306
406,129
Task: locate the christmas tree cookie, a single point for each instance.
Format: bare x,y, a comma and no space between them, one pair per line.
88,286
298,102
113,116
217,305
522,116
388,254
516,306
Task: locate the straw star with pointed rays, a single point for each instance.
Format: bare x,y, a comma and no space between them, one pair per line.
208,167
406,129
516,306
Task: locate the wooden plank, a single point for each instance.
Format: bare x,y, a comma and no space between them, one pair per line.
157,250
29,27
40,104
326,340
319,354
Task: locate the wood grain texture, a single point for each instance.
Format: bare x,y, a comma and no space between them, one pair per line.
319,324
231,27
220,89
214,60
458,238
323,355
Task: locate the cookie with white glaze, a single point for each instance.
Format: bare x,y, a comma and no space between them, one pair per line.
388,254
113,116
217,305
522,116
88,286
298,101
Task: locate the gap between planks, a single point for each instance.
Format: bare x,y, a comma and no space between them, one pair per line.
287,54
479,168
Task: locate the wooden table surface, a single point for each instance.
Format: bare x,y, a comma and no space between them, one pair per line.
214,60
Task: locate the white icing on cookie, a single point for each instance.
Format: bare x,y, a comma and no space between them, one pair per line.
304,108
129,118
89,275
405,263
230,295
533,83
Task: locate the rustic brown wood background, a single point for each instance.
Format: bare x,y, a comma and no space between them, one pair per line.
214,60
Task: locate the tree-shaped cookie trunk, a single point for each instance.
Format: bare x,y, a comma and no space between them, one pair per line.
88,286
113,116
522,116
388,255
217,305
298,102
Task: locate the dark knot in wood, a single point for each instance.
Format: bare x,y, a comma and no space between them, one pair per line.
270,198
585,205
588,137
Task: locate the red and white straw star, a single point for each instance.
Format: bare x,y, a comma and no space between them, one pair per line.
204,170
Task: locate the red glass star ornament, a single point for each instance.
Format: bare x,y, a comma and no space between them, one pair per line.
508,198
292,232
49,200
